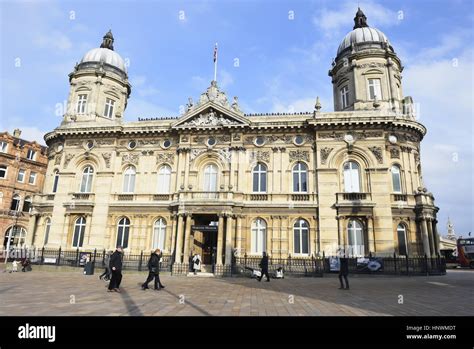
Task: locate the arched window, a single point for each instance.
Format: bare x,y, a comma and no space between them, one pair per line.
259,175
129,180
351,177
55,181
159,234
402,239
27,204
396,180
15,203
300,182
3,171
123,231
15,237
355,233
86,182
164,179
301,237
210,178
47,228
259,236
79,230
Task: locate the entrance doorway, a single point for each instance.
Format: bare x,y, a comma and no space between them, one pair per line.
205,237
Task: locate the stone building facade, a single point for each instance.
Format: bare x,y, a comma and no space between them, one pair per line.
217,181
22,171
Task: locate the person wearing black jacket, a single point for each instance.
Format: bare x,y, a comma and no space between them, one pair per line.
343,271
154,271
264,266
115,265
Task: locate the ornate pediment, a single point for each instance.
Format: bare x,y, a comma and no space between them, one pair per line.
212,110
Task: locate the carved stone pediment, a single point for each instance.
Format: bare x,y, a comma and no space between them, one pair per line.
210,117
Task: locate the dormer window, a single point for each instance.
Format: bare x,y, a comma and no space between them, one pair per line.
374,89
81,104
345,97
109,108
31,155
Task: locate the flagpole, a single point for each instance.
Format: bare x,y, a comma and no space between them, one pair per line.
215,63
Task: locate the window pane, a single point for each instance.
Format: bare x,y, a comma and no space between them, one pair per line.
397,188
304,186
263,182
304,240
255,182
297,240
296,184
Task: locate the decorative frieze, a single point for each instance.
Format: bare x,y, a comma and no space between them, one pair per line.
260,155
165,158
210,119
107,157
195,153
325,153
377,151
57,159
68,159
394,153
131,158
299,155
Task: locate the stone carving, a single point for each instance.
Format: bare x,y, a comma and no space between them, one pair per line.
224,138
236,137
74,143
195,153
146,142
260,156
235,105
332,135
377,151
105,142
57,159
184,139
371,65
107,157
417,157
225,154
324,154
165,157
210,119
214,94
299,155
394,153
131,158
68,159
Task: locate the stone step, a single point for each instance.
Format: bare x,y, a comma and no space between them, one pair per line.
201,275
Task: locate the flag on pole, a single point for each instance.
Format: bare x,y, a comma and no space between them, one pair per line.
215,53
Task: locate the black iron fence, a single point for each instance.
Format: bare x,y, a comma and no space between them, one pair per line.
243,265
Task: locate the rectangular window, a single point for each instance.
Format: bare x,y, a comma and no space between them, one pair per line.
81,104
32,179
374,89
3,147
21,176
345,97
31,155
3,172
109,108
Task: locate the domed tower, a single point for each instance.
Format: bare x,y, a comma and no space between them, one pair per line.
99,86
366,73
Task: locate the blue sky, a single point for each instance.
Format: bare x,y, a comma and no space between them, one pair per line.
283,59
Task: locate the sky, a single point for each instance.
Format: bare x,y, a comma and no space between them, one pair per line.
274,55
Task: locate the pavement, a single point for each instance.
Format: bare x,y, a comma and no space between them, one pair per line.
48,293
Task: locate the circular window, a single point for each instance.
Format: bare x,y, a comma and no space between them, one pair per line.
59,148
392,139
349,138
299,140
90,145
132,145
167,143
259,141
211,141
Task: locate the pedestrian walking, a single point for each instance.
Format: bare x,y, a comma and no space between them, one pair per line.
154,271
196,263
264,266
343,271
106,274
115,265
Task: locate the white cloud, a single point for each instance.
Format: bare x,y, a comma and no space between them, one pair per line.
54,40
224,79
334,22
31,133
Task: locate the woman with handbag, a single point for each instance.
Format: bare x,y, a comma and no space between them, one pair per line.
154,271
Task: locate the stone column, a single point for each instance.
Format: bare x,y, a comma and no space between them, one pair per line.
424,235
187,235
370,235
64,238
32,225
173,234
436,236
220,238
179,239
431,237
228,240
238,234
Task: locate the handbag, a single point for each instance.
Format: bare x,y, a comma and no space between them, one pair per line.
153,270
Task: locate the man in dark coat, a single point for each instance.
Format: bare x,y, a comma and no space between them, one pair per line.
264,266
154,270
343,271
115,265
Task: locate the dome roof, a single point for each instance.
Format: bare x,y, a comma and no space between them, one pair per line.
364,35
105,55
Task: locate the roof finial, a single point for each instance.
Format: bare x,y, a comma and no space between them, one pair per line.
360,20
108,41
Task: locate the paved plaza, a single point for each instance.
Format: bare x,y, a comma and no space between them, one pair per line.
40,293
